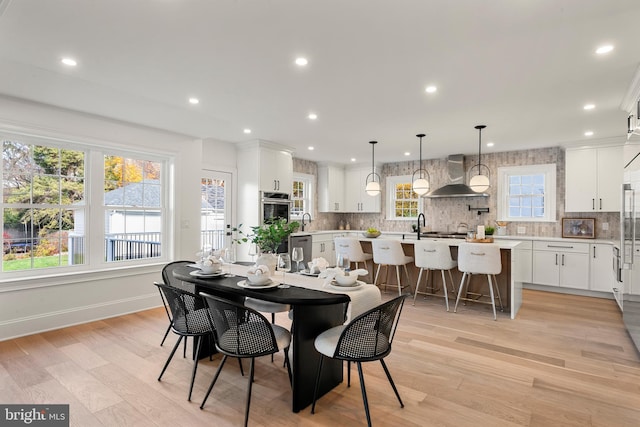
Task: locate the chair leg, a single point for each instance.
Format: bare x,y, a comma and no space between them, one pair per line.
315,389
288,363
166,333
453,288
348,373
246,411
184,350
398,279
215,378
393,385
406,273
493,302
444,286
241,369
175,347
364,393
495,282
415,294
464,276
375,281
195,365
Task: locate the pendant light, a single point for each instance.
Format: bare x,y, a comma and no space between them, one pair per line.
479,183
420,183
373,186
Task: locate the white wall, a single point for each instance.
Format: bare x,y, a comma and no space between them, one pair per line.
32,305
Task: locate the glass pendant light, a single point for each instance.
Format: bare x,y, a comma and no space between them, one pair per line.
420,183
479,182
373,187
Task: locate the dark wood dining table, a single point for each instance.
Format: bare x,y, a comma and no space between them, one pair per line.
313,312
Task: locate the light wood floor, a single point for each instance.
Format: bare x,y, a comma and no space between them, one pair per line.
565,361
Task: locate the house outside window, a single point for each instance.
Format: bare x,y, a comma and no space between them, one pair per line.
527,193
302,195
403,202
50,219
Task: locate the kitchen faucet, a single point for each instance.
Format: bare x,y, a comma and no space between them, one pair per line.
303,223
424,223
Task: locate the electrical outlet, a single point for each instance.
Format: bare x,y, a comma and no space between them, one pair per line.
522,230
605,226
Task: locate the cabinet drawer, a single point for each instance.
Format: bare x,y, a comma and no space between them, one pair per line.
561,246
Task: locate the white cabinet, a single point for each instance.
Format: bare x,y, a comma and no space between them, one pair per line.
276,170
356,198
593,178
322,246
601,275
330,188
561,264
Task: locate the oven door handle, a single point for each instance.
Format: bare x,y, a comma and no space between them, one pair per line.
277,201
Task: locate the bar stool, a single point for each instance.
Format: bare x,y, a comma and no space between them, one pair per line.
390,252
433,255
479,258
353,249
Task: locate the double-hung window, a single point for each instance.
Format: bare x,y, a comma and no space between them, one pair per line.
527,193
71,205
302,197
403,202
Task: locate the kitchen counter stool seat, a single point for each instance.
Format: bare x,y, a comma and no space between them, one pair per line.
433,255
389,252
479,258
353,249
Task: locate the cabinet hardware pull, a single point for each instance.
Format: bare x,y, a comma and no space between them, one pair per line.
556,259
594,252
593,204
560,246
562,259
600,204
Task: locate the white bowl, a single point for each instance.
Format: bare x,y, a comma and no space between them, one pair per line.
260,279
346,280
210,269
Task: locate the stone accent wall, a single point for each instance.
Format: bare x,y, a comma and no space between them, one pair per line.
445,214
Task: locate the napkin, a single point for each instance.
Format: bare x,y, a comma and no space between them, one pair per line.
259,270
318,265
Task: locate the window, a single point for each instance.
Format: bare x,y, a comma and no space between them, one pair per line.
302,195
527,193
46,219
403,201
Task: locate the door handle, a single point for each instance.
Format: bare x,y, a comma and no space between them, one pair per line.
562,259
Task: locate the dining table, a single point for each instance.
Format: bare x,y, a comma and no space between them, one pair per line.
317,305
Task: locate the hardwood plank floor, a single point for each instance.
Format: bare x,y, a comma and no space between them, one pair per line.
565,361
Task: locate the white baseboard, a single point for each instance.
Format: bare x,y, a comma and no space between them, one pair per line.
19,327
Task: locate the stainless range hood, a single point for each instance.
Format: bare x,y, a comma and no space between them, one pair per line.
456,186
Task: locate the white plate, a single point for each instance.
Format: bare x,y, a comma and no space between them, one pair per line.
247,285
335,286
199,273
306,273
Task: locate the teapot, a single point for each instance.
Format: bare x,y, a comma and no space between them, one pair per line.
463,228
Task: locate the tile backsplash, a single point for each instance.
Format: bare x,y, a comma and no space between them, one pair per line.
445,214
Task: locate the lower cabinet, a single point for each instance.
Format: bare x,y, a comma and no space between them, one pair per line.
601,275
561,264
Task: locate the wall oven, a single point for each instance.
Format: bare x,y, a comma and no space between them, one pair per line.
274,206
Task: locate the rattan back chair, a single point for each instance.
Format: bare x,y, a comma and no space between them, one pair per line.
366,338
190,318
243,332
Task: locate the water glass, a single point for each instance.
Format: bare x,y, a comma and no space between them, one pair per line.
343,262
284,265
297,256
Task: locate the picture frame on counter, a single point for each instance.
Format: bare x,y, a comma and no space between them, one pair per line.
579,228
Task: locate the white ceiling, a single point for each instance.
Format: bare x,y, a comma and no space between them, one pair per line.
525,68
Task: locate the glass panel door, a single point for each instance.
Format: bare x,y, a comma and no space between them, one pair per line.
215,210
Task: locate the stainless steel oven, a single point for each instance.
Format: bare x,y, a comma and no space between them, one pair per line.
274,206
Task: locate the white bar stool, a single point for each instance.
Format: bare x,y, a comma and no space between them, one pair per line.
433,255
479,258
353,249
390,252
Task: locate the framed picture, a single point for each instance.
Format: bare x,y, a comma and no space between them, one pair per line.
580,228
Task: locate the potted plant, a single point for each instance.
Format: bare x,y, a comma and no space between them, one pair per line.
268,238
488,230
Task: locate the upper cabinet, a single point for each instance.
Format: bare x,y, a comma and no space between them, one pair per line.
593,178
330,188
276,170
343,190
356,198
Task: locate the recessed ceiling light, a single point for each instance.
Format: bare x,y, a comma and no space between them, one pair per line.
312,116
69,61
247,131
489,144
406,153
588,133
353,159
194,101
311,148
604,49
589,106
431,89
301,62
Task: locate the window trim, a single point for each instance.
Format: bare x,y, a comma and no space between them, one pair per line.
550,191
310,182
391,182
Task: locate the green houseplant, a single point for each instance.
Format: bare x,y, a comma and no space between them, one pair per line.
269,236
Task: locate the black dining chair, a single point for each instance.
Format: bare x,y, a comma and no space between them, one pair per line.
243,332
366,338
169,279
190,318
